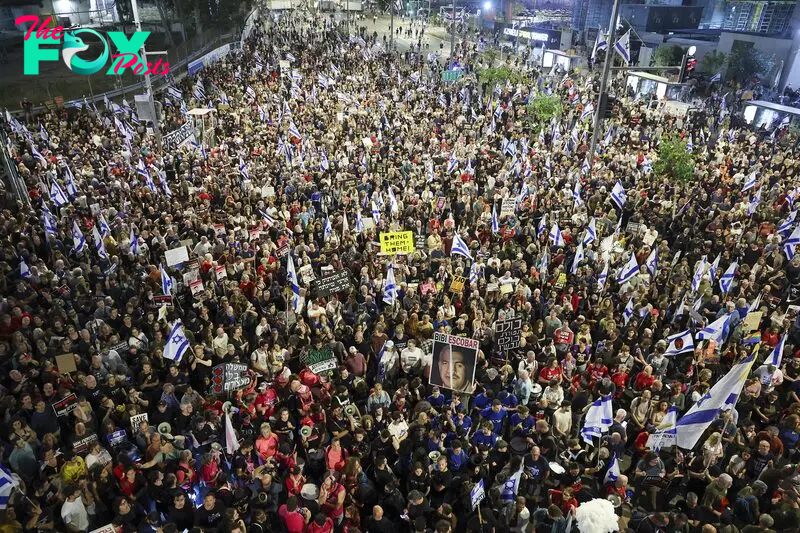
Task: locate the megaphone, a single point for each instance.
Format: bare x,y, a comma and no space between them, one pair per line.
164,427
350,410
305,431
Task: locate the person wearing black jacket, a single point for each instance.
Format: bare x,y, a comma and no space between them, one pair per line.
182,512
210,515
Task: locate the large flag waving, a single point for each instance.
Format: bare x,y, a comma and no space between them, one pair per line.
460,247
776,357
291,277
630,269
623,47
680,343
390,288
598,419
727,278
716,331
176,344
556,237
722,396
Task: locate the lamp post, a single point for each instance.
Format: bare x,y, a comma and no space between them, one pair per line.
598,112
148,85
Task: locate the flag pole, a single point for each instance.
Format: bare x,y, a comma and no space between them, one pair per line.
610,54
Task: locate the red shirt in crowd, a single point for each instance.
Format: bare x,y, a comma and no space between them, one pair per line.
643,381
294,521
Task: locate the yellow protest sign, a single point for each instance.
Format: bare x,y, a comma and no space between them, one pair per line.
457,284
397,242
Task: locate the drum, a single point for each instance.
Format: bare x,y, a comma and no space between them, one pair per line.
536,392
557,470
308,498
519,445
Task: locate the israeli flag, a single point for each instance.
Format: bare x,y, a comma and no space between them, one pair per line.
716,331
680,343
541,136
754,202
177,344
390,287
460,247
150,184
652,263
601,43
586,167
613,471
556,237
291,278
99,244
262,115
166,281
294,132
78,240
750,181
327,230
452,163
722,396
627,313
689,144
776,356
698,274
576,193
69,181
545,262
618,195
587,111
376,214
579,256
510,488
393,205
591,232
602,278
243,169
786,224
323,163
24,270
630,269
542,225
474,275
791,242
35,153
359,223
598,419
199,91
141,170
7,484
495,221
134,247
48,221
712,271
105,230
727,278
623,47
57,195
716,78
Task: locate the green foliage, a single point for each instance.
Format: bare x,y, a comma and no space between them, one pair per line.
543,108
668,56
492,76
745,62
674,160
712,62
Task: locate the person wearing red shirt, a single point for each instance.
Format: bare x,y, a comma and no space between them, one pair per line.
295,481
321,524
620,379
552,371
335,456
331,499
644,379
294,518
598,370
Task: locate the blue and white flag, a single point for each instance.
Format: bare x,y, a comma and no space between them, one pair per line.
508,493
623,47
24,270
652,263
57,195
602,278
105,229
627,313
35,153
750,181
576,193
294,132
327,230
390,287
100,246
776,356
754,305
716,331
134,247
166,281
690,144
460,247
586,167
43,133
591,232
598,419
698,274
587,112
754,202
495,220
544,263
452,163
722,396
542,225
48,221
78,240
394,207
601,43
786,224
555,236
618,195
376,214
679,343
177,344
630,269
7,484
613,472
579,256
291,278
712,270
716,78
69,181
727,278
243,169
791,242
359,222
474,275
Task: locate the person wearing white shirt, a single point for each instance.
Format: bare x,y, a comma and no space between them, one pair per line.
73,511
390,360
770,377
220,343
202,247
411,357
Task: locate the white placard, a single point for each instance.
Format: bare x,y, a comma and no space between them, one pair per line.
221,272
137,419
267,191
196,287
176,256
369,223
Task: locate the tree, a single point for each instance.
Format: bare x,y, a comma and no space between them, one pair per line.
674,160
668,56
542,108
745,62
712,62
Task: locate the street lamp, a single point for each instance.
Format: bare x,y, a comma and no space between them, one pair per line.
487,6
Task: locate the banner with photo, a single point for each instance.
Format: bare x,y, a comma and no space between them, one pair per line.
453,362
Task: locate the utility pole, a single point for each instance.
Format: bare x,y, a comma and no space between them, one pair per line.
148,85
598,117
453,33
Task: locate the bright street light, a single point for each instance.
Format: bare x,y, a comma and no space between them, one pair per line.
487,6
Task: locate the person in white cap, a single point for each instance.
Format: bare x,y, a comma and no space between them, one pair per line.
388,363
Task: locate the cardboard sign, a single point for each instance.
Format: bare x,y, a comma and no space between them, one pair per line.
219,229
561,281
66,405
66,363
220,272
397,242
506,288
369,223
307,274
196,287
635,227
229,377
751,321
82,447
507,333
108,528
420,242
137,419
319,361
457,284
508,207
477,494
283,250
332,284
162,299
176,256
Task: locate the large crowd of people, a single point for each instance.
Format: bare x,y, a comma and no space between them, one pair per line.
172,361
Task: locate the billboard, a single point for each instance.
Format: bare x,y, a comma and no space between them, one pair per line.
453,363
